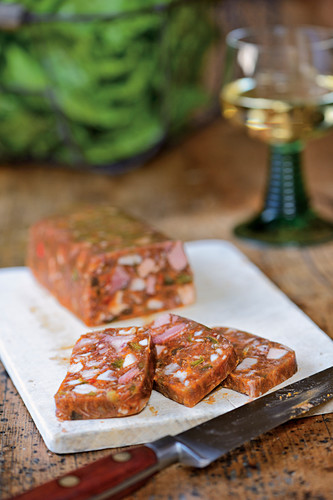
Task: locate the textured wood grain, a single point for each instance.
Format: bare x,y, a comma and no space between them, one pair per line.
198,189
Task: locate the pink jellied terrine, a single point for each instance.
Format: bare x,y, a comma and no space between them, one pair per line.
103,264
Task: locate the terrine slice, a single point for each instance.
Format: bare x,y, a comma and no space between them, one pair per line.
263,364
111,374
191,358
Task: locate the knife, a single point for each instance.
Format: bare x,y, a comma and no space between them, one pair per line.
123,472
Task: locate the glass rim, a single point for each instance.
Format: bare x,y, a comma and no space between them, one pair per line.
236,37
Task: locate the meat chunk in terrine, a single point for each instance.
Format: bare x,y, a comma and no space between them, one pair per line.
263,364
191,358
111,374
102,265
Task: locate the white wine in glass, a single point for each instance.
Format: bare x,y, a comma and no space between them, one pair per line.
279,85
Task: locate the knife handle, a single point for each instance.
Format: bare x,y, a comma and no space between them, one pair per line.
114,476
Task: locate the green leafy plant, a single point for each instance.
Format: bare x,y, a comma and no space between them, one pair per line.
98,92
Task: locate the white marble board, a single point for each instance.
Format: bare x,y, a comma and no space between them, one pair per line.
37,335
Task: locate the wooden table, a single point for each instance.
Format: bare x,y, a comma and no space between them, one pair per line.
198,189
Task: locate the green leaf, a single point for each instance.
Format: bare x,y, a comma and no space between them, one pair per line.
197,361
135,346
23,70
118,363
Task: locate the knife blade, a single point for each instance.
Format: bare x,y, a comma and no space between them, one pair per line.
123,472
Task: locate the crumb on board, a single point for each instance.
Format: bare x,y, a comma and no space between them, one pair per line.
153,410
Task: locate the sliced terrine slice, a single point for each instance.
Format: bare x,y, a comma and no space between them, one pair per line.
263,364
111,374
191,358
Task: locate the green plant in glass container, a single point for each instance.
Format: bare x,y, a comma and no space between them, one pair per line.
101,83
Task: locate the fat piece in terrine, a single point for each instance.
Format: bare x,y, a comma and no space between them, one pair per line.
111,374
191,358
263,364
103,265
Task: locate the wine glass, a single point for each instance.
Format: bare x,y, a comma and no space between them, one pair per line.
279,85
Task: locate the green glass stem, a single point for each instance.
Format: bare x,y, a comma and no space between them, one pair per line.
286,197
287,216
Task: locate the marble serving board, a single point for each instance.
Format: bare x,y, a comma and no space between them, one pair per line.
37,335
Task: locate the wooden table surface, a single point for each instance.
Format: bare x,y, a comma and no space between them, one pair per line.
197,189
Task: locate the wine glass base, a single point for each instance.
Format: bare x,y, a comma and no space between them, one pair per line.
308,229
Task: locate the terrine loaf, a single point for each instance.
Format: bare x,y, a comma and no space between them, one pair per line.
111,374
263,364
191,358
103,264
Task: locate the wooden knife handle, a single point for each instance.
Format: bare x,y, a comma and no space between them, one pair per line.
114,476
